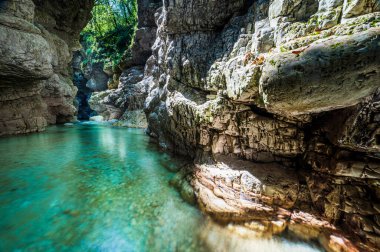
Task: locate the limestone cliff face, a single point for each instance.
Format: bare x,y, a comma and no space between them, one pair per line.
282,83
36,41
127,101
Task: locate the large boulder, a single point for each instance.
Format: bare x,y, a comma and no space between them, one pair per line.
97,78
336,72
129,96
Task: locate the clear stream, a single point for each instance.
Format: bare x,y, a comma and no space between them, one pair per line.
98,188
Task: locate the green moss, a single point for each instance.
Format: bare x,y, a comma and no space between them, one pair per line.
326,34
374,22
272,62
260,101
335,46
283,49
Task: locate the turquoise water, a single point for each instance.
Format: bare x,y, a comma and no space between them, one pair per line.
98,188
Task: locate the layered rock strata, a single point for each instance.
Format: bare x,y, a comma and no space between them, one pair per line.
126,103
290,86
36,41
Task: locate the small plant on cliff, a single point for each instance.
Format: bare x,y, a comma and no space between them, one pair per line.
110,31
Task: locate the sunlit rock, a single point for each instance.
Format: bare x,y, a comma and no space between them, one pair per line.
97,118
289,85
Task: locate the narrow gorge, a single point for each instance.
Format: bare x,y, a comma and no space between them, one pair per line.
263,114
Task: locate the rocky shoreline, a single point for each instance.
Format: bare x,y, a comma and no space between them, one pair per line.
286,94
277,102
268,200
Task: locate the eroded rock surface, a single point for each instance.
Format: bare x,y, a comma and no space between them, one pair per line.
36,41
126,102
292,87
268,199
130,95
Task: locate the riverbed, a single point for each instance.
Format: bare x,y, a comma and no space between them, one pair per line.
101,188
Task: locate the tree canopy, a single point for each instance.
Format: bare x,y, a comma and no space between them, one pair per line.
111,30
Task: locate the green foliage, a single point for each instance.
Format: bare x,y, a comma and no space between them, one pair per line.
110,32
337,45
283,49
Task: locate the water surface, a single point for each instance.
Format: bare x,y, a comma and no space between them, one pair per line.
98,188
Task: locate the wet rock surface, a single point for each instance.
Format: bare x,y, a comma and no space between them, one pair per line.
37,38
269,199
290,86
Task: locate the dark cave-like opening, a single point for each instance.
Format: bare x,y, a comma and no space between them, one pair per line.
83,93
377,139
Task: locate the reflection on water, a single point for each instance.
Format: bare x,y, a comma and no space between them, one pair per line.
94,188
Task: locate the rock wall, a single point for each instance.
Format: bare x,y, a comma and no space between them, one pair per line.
80,79
36,41
292,87
277,101
126,103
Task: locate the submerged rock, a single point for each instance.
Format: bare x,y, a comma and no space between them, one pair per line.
291,87
181,181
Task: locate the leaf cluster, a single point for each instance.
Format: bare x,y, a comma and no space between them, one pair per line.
110,32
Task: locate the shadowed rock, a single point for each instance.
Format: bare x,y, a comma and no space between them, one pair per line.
36,41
